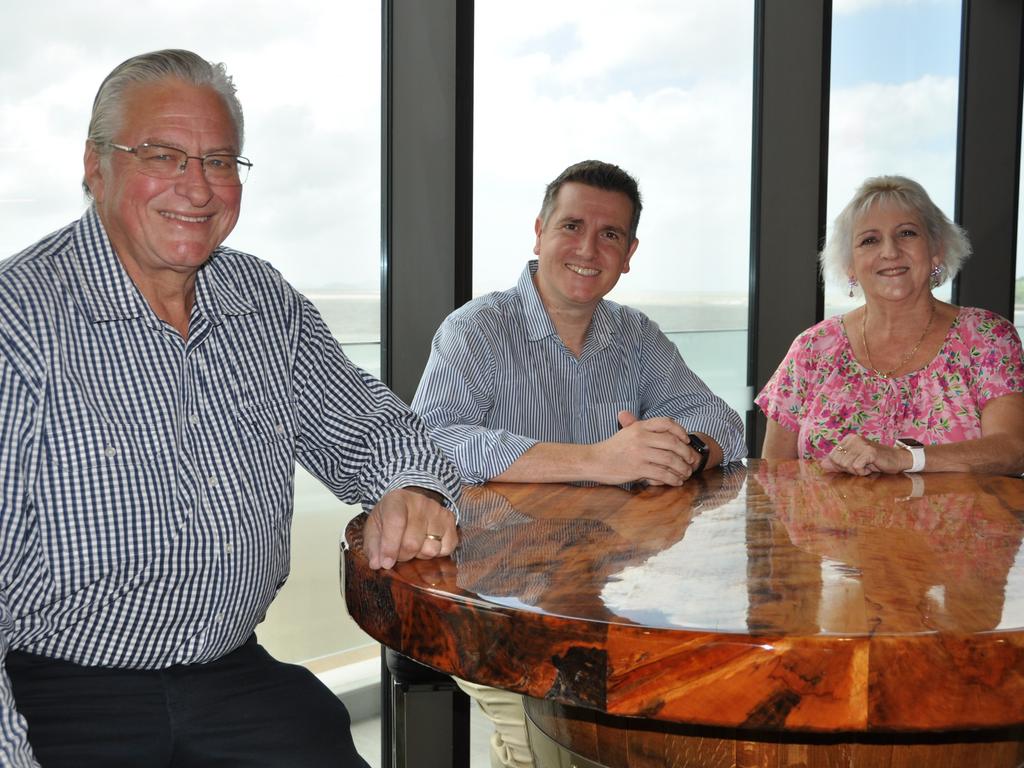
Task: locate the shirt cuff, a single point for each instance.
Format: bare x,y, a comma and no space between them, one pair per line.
430,483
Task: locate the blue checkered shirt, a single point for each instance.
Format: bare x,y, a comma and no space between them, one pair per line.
147,485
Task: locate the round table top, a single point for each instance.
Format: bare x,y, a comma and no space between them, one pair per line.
771,596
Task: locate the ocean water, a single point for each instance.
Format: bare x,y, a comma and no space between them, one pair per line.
355,317
711,333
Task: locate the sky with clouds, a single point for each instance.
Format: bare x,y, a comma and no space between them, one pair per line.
666,93
308,76
661,87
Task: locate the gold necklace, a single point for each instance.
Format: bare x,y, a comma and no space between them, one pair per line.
906,358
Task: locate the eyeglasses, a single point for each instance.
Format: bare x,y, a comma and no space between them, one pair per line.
162,162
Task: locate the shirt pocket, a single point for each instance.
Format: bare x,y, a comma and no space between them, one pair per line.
265,455
104,445
104,501
602,420
271,423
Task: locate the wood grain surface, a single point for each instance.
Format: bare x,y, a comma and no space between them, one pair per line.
766,598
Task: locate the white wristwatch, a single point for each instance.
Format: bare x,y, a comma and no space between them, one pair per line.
916,452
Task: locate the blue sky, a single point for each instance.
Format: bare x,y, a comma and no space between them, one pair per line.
894,97
896,42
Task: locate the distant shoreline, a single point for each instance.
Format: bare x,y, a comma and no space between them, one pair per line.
354,316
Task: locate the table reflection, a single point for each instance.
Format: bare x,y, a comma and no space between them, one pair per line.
597,552
885,555
791,549
769,597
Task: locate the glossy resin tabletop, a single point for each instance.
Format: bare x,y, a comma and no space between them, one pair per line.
768,597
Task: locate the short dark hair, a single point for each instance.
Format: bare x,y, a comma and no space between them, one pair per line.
595,173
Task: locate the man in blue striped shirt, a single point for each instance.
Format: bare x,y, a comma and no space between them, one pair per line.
156,390
550,382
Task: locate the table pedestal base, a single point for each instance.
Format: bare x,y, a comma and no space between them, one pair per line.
563,736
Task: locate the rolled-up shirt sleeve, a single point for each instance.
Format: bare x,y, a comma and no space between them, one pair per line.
354,434
669,388
455,399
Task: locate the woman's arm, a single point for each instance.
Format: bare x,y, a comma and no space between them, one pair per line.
999,450
779,442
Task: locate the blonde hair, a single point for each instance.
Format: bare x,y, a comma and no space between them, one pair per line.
837,256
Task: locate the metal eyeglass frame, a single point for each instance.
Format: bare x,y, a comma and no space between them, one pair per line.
243,162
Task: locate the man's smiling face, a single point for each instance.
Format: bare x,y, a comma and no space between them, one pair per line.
161,225
583,247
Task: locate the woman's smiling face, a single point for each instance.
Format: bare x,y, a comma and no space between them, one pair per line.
892,256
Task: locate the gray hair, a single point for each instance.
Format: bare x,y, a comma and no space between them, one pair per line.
595,173
837,256
107,107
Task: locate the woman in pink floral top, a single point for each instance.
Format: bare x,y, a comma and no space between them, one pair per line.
904,365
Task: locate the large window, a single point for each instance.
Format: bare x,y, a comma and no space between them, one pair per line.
311,205
1018,292
662,89
893,103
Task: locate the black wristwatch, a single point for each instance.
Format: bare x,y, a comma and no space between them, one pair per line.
702,448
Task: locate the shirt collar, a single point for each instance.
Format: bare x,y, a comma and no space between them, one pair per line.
108,293
538,322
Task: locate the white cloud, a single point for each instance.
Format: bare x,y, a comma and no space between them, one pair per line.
908,129
665,92
667,96
850,7
662,88
307,74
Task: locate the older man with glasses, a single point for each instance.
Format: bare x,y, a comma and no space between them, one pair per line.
156,390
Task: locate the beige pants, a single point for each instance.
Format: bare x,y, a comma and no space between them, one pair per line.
510,746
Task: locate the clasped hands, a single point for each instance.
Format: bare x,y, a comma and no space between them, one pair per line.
656,451
856,455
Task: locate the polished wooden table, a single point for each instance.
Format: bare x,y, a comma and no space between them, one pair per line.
772,615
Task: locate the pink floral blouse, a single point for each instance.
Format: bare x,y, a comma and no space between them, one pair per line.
821,392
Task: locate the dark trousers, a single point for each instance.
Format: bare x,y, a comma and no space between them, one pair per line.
245,709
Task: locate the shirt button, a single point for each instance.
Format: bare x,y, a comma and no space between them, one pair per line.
219,618
194,419
212,480
279,428
229,548
110,451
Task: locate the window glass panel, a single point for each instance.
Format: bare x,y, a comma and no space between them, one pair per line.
893,104
662,89
1018,294
311,205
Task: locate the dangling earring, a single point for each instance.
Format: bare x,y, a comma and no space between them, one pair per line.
853,284
936,275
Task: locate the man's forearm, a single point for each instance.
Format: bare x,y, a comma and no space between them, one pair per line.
611,462
553,463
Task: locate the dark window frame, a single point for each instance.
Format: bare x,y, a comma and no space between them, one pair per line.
427,172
